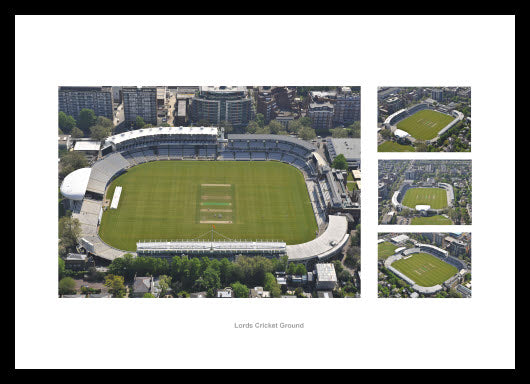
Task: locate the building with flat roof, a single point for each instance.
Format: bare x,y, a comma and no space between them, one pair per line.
347,108
349,147
321,115
221,103
73,99
140,101
326,277
265,104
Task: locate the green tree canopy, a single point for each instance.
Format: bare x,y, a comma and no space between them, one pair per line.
99,132
76,133
66,122
72,161
87,118
260,119
67,286
69,232
115,284
275,127
240,290
307,133
61,268
355,129
339,132
340,162
139,122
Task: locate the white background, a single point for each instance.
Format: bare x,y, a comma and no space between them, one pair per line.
369,51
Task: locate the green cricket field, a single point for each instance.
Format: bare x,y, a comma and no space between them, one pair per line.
184,200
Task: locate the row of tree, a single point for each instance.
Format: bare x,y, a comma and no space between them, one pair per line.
87,124
196,275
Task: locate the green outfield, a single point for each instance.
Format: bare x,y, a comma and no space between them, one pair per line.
425,124
426,270
385,249
435,197
174,200
431,220
391,146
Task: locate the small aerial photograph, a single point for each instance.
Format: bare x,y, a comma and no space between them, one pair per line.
419,265
424,119
209,191
424,192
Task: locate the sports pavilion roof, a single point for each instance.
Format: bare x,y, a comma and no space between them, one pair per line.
74,184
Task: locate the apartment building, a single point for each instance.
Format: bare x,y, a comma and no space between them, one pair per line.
73,99
140,101
220,103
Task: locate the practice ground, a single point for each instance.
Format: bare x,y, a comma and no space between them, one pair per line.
385,249
435,197
175,200
391,146
426,270
431,220
425,124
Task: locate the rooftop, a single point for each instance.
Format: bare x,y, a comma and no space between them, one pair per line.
161,131
326,272
349,147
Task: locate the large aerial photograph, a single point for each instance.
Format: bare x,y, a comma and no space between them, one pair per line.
209,191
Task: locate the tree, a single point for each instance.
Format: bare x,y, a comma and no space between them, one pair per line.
115,285
306,121
87,118
209,281
340,162
260,119
69,232
307,133
339,132
148,295
352,259
164,284
272,285
240,290
66,122
299,292
139,122
275,127
301,269
355,129
252,127
103,121
61,268
294,126
99,132
76,133
72,161
67,286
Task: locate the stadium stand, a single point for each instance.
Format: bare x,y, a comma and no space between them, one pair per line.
128,149
326,245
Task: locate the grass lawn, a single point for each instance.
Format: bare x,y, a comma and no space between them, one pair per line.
431,220
175,200
426,270
425,125
435,197
391,146
385,249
